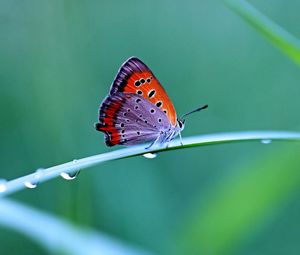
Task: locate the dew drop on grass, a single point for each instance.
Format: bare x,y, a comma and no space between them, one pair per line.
31,184
150,155
3,185
266,141
70,176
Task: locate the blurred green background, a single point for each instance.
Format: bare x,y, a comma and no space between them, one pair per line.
57,61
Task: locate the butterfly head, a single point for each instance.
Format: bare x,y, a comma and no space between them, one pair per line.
180,124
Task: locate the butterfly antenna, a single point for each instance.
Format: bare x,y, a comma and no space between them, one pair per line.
196,110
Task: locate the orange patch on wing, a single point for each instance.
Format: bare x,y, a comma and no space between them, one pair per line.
146,85
106,125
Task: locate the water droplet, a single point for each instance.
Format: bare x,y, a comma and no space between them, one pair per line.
266,141
73,173
39,172
3,185
150,155
31,184
70,176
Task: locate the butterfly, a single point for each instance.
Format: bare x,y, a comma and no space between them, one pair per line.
138,109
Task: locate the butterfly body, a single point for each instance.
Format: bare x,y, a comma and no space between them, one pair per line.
137,109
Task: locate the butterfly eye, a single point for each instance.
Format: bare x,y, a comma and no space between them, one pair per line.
136,107
137,83
152,111
148,80
139,92
122,125
142,80
138,100
138,133
159,120
165,111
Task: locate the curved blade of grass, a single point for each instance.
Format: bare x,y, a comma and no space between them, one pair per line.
58,235
242,205
201,140
278,36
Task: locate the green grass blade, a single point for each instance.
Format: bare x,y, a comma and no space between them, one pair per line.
278,36
243,203
196,141
58,235
52,172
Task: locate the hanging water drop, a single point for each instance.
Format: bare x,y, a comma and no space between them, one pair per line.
70,176
150,155
31,184
3,185
266,141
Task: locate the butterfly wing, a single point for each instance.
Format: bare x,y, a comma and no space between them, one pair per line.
135,77
130,119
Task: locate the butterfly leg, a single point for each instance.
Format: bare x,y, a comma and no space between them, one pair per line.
167,145
154,142
180,137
